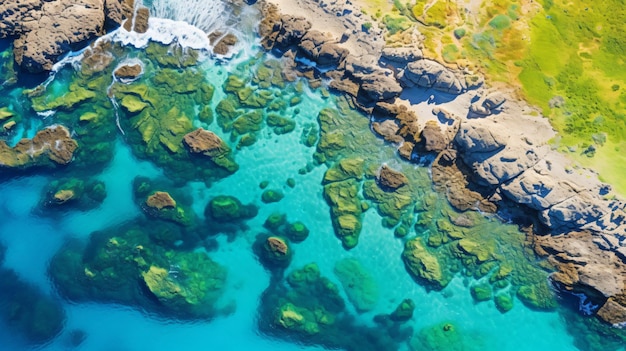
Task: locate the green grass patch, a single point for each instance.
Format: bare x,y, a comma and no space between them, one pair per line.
450,53
500,22
396,24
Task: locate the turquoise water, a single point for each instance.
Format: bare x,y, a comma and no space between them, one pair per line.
33,236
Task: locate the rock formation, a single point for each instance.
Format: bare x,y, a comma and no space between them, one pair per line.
45,30
51,146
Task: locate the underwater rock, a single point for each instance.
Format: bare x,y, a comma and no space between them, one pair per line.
124,264
224,208
504,302
45,30
481,291
50,146
445,337
28,311
358,284
404,311
423,265
160,200
81,194
63,196
273,251
272,195
346,168
345,208
389,178
297,231
205,142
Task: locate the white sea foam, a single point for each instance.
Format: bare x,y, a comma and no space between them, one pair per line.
164,31
207,15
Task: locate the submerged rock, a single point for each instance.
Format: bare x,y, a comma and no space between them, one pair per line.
391,179
404,311
225,208
423,265
359,285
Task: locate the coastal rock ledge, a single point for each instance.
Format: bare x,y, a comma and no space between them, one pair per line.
45,30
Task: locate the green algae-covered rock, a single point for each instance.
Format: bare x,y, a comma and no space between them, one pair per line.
359,285
174,55
423,265
227,111
297,231
392,205
504,302
275,220
537,296
190,285
74,192
344,169
157,199
297,319
310,135
272,195
481,291
225,208
133,104
76,95
345,208
404,311
5,114
481,251
248,122
280,125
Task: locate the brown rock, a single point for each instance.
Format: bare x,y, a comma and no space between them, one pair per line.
222,47
277,245
205,142
141,19
345,85
128,71
391,179
51,144
96,58
388,130
613,311
45,30
406,150
160,200
432,139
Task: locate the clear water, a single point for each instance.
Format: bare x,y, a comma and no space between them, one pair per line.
31,241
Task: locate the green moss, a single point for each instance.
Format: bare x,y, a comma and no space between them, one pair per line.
404,311
481,291
423,265
224,208
537,296
346,213
504,302
500,22
280,125
297,231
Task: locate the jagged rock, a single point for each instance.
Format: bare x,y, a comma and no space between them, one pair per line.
96,58
391,179
320,48
45,30
128,71
432,139
51,144
584,268
406,150
345,85
431,74
401,55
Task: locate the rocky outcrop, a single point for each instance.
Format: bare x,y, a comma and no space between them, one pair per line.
45,30
128,72
391,179
431,74
51,146
222,42
160,200
586,268
205,142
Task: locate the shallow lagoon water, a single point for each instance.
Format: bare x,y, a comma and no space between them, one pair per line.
32,239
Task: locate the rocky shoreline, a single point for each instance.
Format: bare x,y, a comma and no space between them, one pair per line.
490,151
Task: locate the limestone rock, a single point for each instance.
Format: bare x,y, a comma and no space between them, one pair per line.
391,179
493,101
320,48
573,213
431,74
388,130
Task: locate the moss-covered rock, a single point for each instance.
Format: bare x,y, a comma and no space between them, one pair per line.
404,311
423,265
537,296
359,285
273,251
445,337
275,220
345,208
73,192
345,169
297,231
481,291
157,199
225,208
39,150
504,302
279,124
272,195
